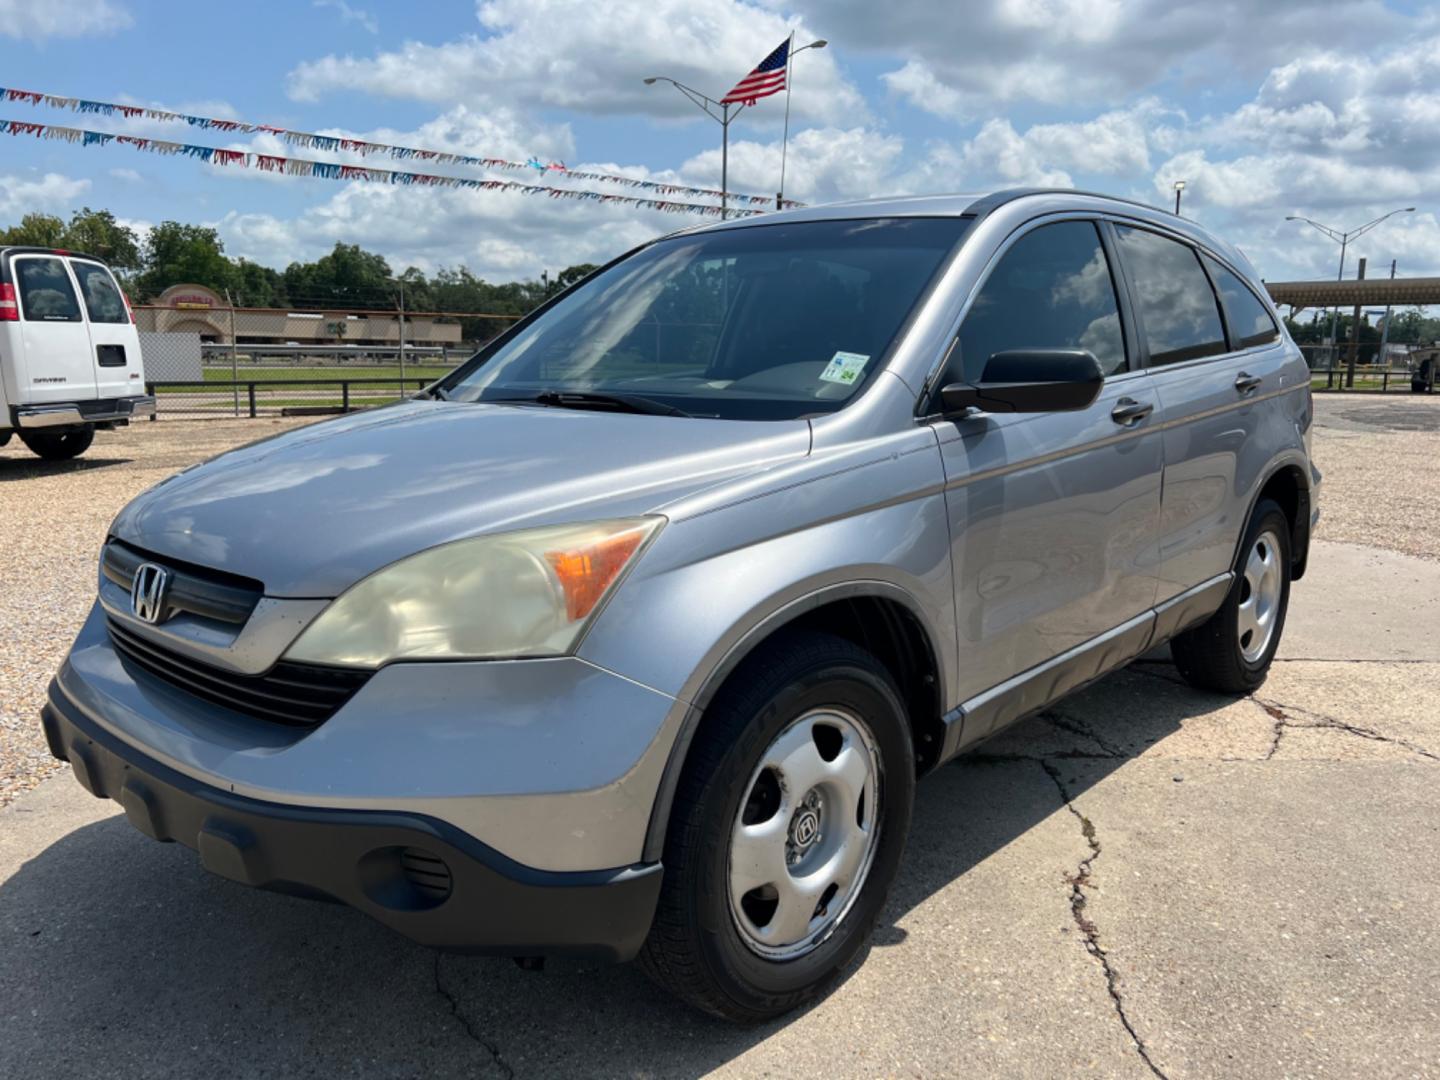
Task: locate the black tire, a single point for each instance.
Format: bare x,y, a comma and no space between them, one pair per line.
695,949
1211,656
59,445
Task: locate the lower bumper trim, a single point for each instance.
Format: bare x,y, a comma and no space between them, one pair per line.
105,410
384,863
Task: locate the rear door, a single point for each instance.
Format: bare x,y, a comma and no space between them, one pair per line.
1053,516
1213,383
55,361
114,345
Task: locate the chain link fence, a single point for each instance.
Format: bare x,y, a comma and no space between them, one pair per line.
204,360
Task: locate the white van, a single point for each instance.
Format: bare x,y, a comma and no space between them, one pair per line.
69,354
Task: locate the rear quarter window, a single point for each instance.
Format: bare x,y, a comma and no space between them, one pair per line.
1177,307
46,294
1249,319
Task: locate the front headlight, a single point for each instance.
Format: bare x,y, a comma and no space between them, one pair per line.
514,594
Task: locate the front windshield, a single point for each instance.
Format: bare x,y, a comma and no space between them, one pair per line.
764,322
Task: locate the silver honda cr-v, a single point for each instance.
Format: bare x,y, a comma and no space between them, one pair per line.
632,636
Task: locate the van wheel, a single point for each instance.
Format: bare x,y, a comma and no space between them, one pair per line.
1232,650
59,446
788,826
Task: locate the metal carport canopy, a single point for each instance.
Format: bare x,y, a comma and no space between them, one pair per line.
1371,292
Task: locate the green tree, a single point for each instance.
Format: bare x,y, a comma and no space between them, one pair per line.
36,230
176,253
349,276
96,232
258,286
571,274
419,294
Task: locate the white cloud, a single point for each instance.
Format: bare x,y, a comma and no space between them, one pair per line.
822,165
590,56
27,20
1068,52
52,193
498,235
128,176
350,14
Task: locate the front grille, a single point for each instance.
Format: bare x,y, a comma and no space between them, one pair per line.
198,590
302,695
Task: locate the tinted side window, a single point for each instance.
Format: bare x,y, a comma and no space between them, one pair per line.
103,301
1177,305
46,294
1051,290
1250,321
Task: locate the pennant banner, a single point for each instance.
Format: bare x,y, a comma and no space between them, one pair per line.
331,171
334,143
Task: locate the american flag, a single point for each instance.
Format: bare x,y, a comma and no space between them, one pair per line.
767,78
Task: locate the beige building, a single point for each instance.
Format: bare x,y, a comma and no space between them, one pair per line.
198,310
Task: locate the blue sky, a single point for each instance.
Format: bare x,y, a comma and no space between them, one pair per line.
1327,108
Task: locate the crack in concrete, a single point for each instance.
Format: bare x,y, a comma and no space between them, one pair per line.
1091,933
1283,719
1076,726
490,1048
1278,731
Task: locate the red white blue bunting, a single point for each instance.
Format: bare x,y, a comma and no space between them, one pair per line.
335,143
328,170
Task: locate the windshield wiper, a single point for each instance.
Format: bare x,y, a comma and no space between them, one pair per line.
587,399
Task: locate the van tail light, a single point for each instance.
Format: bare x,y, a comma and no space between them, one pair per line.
129,308
9,309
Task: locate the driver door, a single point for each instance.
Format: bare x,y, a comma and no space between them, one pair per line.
1054,517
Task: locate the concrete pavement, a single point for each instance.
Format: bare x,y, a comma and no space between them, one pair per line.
1148,880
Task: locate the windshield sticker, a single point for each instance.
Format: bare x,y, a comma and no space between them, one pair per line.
845,368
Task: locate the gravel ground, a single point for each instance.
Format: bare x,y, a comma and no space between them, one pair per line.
54,518
1381,460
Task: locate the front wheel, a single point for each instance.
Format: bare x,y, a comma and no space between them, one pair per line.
788,827
1232,650
59,445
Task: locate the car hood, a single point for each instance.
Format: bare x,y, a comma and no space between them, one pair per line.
310,512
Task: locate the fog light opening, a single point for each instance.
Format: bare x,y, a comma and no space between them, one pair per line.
405,878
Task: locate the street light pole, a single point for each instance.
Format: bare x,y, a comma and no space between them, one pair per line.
1343,239
1179,187
819,43
709,106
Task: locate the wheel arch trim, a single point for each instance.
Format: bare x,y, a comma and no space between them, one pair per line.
1295,463
758,630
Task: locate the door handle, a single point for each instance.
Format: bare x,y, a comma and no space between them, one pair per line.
1245,383
1128,412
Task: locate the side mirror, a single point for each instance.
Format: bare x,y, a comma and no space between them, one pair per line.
1030,380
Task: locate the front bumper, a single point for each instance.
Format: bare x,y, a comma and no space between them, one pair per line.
418,875
71,413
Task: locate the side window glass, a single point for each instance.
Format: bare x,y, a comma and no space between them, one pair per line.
1052,290
103,301
1250,320
1177,304
46,294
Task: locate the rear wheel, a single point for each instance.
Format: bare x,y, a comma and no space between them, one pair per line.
59,445
1232,650
788,827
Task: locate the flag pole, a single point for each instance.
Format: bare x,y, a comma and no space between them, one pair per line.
785,139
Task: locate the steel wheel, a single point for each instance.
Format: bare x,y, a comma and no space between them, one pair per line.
1259,596
803,842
